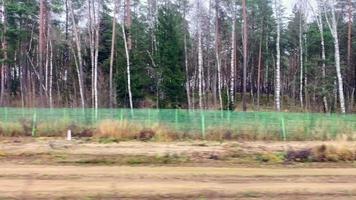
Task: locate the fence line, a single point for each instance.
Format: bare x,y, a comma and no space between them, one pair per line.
195,121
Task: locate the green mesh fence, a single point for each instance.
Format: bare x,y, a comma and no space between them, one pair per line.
261,124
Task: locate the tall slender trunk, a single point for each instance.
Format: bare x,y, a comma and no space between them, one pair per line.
128,22
187,80
245,40
278,62
97,29
349,54
233,64
217,51
187,85
267,67
79,55
349,35
91,47
50,74
4,49
113,38
320,23
42,45
306,95
333,28
259,68
127,67
301,61
200,68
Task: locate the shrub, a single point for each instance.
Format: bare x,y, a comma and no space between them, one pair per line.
303,155
271,158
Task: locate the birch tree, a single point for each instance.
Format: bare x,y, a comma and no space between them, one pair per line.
113,39
4,48
319,20
186,63
78,55
217,51
278,61
301,64
200,57
332,23
127,44
233,57
94,27
244,44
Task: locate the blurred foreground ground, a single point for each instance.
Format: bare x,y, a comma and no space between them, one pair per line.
55,169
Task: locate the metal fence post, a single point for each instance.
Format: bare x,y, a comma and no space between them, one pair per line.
283,129
6,114
202,116
34,121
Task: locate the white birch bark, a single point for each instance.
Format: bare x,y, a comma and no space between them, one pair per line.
113,38
4,48
200,68
332,23
79,55
301,60
127,66
320,23
50,74
217,52
278,61
233,63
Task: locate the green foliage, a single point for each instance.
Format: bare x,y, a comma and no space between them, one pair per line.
170,56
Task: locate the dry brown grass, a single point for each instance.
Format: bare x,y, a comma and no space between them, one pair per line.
165,134
122,130
333,153
57,128
11,129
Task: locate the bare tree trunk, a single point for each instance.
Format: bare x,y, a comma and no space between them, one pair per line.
333,29
187,85
233,62
259,68
91,32
97,29
349,52
128,22
320,23
42,43
79,55
301,60
113,38
4,49
306,95
245,40
128,66
200,68
217,51
349,35
187,81
278,62
51,74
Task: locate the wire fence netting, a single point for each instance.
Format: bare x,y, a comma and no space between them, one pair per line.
283,124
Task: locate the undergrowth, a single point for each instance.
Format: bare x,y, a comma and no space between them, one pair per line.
108,131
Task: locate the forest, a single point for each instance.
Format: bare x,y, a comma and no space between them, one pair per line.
245,55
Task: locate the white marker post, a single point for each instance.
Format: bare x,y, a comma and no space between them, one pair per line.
69,135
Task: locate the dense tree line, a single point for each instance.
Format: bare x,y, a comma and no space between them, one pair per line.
222,54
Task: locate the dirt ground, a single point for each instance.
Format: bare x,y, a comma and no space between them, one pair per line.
55,169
